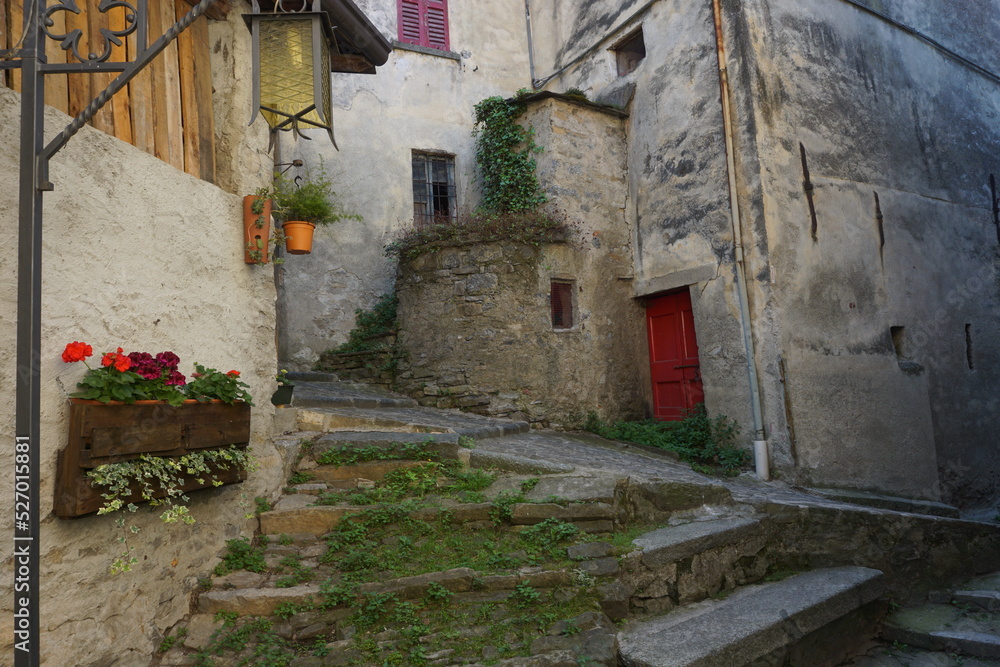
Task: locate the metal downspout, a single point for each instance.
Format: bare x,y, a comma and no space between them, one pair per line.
760,448
531,43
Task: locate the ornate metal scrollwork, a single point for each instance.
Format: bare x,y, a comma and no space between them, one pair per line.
71,41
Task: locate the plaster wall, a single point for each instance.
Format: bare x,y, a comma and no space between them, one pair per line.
878,113
417,101
140,255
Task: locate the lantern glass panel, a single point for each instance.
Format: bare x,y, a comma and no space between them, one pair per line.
286,69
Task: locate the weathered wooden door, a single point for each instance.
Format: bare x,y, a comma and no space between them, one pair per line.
673,355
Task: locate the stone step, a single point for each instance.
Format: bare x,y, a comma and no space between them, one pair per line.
945,627
889,502
406,420
293,515
674,543
760,622
327,392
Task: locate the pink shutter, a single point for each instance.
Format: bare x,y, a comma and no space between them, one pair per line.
409,21
436,20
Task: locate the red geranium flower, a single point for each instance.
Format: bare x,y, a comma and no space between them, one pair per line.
121,362
76,351
233,374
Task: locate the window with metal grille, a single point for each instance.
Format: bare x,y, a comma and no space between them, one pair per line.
434,198
561,304
629,52
424,23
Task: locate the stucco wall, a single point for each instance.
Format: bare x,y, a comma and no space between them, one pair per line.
879,113
140,255
415,101
475,322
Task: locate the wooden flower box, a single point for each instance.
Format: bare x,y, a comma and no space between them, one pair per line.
109,433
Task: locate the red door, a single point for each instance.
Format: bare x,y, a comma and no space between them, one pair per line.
673,355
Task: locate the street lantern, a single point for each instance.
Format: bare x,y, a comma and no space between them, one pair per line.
291,65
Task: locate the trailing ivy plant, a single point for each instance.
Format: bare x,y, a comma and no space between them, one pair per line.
152,475
505,155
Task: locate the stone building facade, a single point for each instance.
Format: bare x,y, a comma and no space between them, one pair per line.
818,178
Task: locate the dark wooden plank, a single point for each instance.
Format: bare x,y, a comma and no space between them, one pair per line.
121,105
16,23
78,85
140,91
172,91
190,108
104,119
203,93
57,85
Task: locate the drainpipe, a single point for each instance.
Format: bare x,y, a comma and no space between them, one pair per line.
760,449
531,44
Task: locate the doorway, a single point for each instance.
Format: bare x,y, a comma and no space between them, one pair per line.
673,355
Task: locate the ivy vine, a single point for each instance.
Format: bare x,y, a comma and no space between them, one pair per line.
505,156
151,475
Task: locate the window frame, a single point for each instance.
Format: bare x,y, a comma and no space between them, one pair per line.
566,302
625,50
424,23
429,198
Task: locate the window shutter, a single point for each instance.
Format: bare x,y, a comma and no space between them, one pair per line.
409,21
424,22
436,18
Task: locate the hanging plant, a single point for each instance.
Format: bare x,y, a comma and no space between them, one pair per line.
160,481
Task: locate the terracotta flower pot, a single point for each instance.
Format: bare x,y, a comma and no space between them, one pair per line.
256,231
298,237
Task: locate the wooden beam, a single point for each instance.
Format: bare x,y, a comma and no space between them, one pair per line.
57,85
104,119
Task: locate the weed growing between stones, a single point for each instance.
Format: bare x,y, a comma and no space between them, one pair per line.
709,445
371,327
519,583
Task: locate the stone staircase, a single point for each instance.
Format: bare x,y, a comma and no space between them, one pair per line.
960,627
663,566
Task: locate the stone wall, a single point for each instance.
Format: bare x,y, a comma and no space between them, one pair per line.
140,255
475,321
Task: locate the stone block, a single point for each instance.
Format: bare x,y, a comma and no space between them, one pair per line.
532,513
588,550
547,578
317,520
373,470
600,567
256,601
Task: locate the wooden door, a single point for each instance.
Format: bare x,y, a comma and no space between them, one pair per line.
673,355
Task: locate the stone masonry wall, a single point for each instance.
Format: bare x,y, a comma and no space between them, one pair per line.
475,321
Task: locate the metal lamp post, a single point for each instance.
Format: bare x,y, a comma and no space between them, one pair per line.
34,180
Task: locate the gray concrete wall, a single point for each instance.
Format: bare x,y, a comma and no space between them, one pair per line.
416,101
878,113
141,255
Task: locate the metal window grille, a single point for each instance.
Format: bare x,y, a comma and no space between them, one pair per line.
561,305
434,194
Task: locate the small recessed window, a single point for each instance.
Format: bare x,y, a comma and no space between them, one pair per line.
434,193
629,52
561,304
